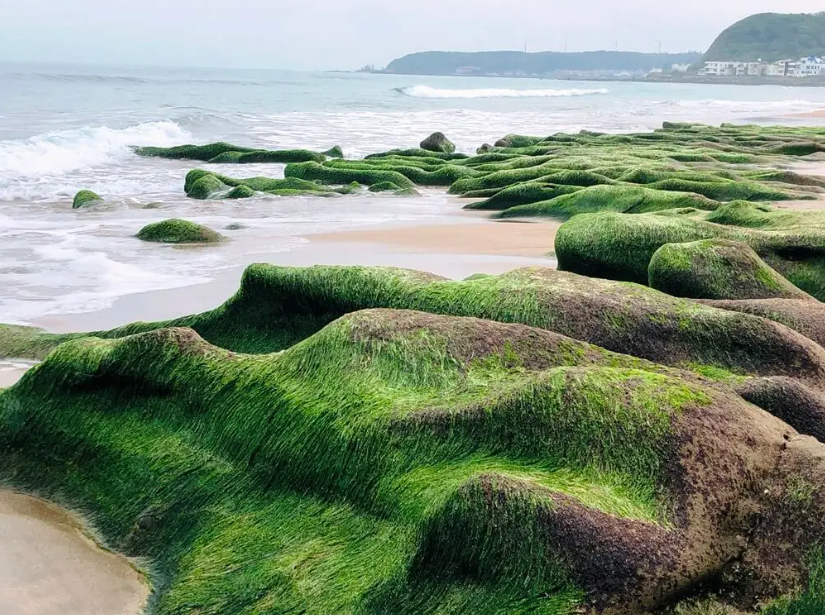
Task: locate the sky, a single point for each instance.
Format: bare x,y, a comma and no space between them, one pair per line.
348,34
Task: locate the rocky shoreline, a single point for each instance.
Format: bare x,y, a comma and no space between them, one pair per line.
639,431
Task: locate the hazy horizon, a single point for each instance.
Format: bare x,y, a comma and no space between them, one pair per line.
324,35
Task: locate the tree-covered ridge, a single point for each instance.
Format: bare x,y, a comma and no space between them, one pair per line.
771,37
486,62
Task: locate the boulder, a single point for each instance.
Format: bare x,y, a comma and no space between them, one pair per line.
437,142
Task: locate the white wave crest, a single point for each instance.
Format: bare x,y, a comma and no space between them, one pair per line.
425,91
60,153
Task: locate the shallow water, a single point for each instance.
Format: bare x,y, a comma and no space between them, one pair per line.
49,566
66,128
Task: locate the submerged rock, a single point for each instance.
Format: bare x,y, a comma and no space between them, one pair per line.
437,142
85,198
178,231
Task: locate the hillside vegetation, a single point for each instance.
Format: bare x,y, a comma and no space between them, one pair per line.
771,37
485,62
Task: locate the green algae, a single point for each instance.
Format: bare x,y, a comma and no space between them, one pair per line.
622,199
85,198
202,184
437,142
226,501
176,230
717,269
277,307
223,153
620,246
311,171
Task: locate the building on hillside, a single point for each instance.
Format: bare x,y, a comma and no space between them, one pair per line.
804,67
810,67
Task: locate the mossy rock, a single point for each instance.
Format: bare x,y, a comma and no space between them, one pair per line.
334,152
620,246
227,153
202,184
422,463
240,192
623,199
437,142
178,231
85,198
391,187
717,269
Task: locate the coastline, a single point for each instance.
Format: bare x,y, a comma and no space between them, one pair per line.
456,246
50,566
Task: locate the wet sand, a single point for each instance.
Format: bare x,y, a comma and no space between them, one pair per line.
48,565
503,238
818,114
11,371
463,244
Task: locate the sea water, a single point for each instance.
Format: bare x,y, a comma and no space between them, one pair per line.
67,128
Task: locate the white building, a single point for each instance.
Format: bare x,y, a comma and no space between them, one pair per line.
804,67
721,69
810,67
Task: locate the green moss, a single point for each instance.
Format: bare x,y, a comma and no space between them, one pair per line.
200,184
85,198
716,269
391,187
334,152
312,171
178,231
204,466
624,199
228,153
437,142
240,192
620,246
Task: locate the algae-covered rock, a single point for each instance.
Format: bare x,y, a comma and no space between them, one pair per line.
717,269
226,153
620,246
240,192
178,231
334,152
85,198
624,199
437,142
312,171
201,184
391,187
482,445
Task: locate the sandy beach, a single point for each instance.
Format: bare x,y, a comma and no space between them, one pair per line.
11,372
49,565
502,238
818,114
459,245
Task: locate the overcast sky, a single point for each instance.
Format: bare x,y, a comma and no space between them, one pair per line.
346,34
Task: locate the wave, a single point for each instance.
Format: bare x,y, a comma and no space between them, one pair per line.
59,153
425,91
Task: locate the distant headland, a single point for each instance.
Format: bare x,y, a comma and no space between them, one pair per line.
768,48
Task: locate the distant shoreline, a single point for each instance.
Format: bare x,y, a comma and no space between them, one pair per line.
804,82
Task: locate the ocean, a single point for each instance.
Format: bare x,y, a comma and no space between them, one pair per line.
67,128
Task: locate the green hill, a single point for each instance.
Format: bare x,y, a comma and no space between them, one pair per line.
502,62
771,37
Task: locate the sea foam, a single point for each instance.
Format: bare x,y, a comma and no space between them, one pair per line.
58,153
426,91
